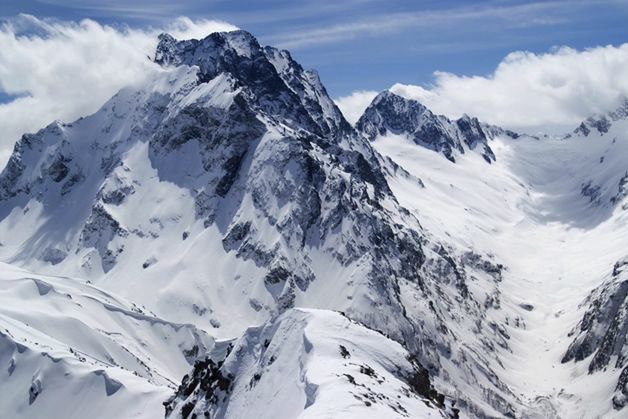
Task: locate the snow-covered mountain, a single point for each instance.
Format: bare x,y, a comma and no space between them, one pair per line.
392,114
219,194
217,219
552,211
602,123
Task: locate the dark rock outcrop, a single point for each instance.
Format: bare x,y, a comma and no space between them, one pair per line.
394,114
603,331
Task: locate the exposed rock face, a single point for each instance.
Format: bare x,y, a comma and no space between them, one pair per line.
239,377
391,113
603,331
99,231
279,84
622,190
602,123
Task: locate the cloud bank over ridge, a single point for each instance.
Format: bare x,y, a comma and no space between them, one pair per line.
550,92
60,70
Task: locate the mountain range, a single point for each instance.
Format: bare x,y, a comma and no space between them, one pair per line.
220,242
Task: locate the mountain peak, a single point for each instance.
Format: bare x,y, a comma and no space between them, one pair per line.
390,113
169,49
271,79
603,122
388,95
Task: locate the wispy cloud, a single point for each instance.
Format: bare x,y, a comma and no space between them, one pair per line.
136,10
511,16
297,11
148,6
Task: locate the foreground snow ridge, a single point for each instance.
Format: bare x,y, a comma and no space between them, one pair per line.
71,350
220,242
309,364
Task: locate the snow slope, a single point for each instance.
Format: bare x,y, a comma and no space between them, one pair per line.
308,364
71,350
553,212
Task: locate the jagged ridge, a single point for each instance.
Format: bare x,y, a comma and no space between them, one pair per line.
391,113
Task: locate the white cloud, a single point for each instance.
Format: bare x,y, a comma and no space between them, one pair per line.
64,70
353,106
533,92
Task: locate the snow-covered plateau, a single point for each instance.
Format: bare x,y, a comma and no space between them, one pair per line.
220,242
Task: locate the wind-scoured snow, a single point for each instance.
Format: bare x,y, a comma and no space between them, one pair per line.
71,350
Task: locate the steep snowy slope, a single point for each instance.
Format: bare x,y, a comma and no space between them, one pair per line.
229,189
552,211
309,364
70,350
230,163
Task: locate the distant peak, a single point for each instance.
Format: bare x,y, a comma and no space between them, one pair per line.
241,41
239,34
603,122
166,37
389,95
166,49
387,104
392,113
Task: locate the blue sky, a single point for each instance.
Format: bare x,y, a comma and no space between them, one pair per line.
372,44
